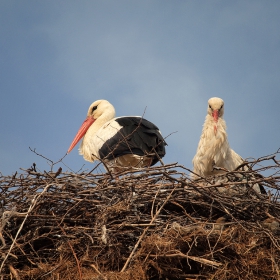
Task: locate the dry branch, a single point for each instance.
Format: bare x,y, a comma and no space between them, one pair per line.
146,224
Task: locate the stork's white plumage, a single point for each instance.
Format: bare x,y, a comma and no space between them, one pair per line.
213,147
122,142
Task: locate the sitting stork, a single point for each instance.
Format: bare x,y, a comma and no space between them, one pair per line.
120,143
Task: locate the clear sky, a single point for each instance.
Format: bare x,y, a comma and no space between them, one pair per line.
165,58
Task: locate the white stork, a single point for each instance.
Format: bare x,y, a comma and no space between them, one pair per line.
122,142
213,147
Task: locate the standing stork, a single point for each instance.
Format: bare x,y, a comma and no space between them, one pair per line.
213,147
120,143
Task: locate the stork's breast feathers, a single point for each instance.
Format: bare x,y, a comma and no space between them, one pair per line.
129,135
213,147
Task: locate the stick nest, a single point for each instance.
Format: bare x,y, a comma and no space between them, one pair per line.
156,223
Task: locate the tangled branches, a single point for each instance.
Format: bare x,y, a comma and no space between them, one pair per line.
145,224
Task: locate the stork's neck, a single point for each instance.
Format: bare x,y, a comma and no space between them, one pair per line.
100,121
213,145
210,123
87,147
214,137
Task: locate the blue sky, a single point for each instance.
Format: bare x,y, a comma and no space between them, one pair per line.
164,58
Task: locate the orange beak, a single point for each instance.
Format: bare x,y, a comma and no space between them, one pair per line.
82,131
215,115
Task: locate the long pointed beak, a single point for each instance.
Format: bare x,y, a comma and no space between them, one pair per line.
215,115
82,131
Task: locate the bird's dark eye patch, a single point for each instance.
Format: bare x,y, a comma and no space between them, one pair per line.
210,107
222,106
93,109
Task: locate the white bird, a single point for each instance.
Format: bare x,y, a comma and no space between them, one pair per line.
120,143
213,147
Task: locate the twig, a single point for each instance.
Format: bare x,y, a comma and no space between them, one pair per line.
32,205
194,258
49,160
14,272
145,231
74,254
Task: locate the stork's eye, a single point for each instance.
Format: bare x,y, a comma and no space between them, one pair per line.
222,106
93,109
210,107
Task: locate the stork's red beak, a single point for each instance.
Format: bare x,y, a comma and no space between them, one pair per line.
215,115
82,131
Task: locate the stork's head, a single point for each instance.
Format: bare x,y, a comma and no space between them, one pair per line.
100,109
216,108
